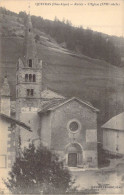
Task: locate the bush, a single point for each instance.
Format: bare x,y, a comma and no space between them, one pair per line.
103,160
39,170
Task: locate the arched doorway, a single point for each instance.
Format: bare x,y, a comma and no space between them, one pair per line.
72,159
74,154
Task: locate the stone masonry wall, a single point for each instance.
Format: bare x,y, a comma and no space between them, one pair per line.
61,136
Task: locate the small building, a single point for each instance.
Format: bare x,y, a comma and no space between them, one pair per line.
113,134
8,144
8,133
9,147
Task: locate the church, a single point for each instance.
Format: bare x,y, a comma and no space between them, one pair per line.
67,126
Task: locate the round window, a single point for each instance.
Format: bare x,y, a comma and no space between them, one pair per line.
73,125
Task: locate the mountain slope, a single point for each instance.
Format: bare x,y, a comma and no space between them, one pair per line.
67,73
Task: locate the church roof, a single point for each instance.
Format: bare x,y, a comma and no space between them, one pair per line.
49,94
10,119
54,104
115,123
47,105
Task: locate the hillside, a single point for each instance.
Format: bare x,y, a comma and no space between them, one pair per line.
85,41
64,71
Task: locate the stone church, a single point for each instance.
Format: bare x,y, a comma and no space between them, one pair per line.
66,126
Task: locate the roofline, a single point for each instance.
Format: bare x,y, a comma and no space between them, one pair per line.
16,121
52,98
49,89
108,128
73,98
104,125
5,95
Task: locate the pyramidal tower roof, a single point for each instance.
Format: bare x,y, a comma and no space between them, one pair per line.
29,50
5,91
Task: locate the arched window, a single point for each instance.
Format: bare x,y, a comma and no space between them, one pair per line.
32,92
29,29
34,78
30,77
30,62
26,77
28,92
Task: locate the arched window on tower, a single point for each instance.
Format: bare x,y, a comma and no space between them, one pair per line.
30,77
34,78
29,29
28,92
30,62
32,92
26,77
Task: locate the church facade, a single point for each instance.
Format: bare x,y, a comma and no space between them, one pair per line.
71,131
66,126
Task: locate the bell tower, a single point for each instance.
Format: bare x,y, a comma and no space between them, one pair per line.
28,79
29,72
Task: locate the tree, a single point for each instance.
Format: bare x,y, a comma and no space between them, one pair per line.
39,170
22,14
37,38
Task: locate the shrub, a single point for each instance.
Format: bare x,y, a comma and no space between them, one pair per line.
39,170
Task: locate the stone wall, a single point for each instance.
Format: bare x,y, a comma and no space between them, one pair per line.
113,141
7,144
5,105
31,118
73,111
46,129
22,86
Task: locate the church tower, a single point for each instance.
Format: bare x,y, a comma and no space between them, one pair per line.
28,80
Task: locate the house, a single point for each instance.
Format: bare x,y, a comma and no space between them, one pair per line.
9,137
8,141
113,134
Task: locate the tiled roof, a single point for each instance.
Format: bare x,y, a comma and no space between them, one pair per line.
115,123
46,105
49,94
10,119
55,103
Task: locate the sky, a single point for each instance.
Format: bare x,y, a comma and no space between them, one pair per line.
93,14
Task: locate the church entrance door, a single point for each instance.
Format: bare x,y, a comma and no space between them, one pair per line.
72,159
